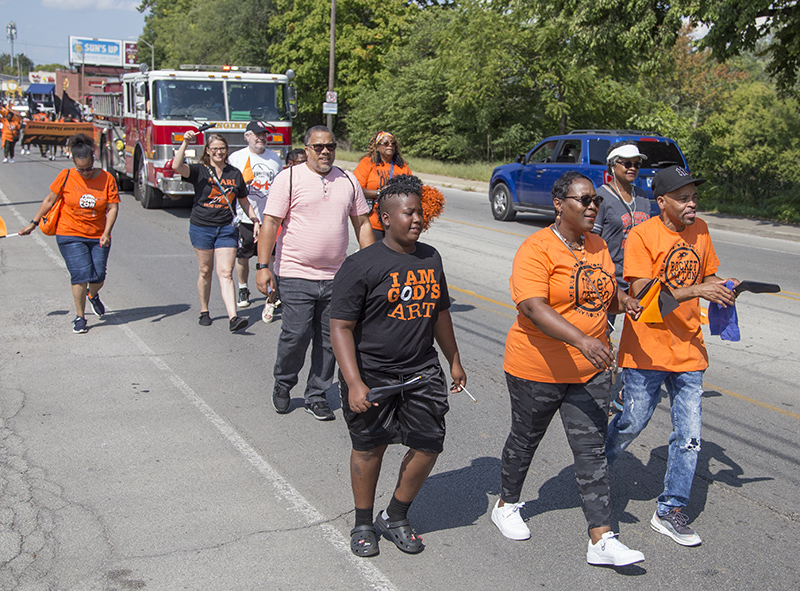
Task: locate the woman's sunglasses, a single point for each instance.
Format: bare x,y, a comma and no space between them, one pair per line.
587,200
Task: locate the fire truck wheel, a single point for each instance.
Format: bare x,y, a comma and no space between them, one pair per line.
150,197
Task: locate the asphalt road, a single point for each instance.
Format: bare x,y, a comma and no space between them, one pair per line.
146,454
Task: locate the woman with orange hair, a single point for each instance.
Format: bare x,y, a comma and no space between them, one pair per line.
381,162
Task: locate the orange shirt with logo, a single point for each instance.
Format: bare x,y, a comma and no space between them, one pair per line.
10,130
544,268
678,259
373,177
85,203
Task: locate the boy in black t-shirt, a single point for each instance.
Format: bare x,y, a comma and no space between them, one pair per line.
389,303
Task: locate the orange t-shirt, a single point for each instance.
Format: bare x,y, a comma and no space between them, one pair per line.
375,176
10,130
85,203
544,268
679,260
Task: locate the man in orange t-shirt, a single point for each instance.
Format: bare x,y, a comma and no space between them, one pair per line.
10,135
676,248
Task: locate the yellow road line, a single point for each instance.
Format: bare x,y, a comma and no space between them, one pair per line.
771,407
480,297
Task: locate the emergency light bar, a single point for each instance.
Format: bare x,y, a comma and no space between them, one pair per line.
226,68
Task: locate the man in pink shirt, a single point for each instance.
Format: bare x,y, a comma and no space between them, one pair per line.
313,202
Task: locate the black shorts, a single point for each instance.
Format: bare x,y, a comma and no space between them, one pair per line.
247,245
415,417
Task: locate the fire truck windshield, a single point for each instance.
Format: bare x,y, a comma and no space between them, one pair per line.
204,100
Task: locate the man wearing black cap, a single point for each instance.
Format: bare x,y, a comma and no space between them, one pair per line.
259,165
676,248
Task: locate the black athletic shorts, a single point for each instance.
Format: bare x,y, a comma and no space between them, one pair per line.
247,246
414,417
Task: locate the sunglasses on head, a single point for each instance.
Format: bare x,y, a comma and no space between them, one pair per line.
629,163
318,148
587,200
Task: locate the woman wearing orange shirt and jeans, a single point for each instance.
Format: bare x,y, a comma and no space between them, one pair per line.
83,231
556,359
382,162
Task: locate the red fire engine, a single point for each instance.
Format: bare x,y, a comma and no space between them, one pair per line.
138,129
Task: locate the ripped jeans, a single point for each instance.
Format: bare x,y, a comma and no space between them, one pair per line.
641,394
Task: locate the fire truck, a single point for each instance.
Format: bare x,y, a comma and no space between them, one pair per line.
138,129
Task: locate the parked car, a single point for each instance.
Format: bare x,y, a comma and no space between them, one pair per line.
525,185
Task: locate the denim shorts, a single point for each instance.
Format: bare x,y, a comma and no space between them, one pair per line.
85,259
211,237
414,417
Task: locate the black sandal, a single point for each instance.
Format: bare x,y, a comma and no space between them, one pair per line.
364,541
402,534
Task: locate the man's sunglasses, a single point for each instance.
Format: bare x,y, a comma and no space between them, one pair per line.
587,200
318,148
629,164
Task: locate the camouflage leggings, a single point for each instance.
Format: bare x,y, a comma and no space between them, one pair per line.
584,413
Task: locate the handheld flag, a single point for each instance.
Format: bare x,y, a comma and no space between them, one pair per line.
656,301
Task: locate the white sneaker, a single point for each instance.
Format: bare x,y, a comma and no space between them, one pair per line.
5,160
269,311
609,550
509,521
11,161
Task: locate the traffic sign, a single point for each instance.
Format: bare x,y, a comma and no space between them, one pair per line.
331,96
330,109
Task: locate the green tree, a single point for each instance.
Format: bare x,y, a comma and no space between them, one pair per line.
771,27
365,32
214,32
21,63
750,152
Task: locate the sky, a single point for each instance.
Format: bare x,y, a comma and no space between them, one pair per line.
44,26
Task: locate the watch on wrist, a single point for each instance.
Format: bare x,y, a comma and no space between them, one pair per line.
35,223
260,266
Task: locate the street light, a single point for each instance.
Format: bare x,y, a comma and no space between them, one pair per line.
152,53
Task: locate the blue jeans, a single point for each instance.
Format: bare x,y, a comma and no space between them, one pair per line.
642,393
305,318
86,260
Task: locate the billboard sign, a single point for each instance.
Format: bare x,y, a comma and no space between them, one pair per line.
95,52
131,54
42,77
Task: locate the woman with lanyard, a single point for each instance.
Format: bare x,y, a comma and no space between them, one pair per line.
558,357
382,162
624,206
211,231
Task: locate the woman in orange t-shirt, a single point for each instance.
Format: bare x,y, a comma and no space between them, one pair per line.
83,230
382,162
557,354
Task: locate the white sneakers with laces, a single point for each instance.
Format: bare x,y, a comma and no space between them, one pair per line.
609,550
509,521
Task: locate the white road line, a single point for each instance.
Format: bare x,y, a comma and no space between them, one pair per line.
305,511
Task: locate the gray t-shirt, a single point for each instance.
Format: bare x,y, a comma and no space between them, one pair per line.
615,219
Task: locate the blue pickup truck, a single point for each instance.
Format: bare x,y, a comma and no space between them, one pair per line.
525,185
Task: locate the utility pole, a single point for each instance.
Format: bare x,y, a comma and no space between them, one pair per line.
152,53
332,57
11,35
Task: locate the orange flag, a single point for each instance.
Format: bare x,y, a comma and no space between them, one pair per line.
247,173
649,303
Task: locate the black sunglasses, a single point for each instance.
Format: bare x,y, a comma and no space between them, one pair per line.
629,164
318,148
587,200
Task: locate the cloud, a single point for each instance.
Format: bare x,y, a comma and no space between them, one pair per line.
81,5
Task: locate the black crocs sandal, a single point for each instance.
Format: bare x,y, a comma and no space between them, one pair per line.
364,541
402,534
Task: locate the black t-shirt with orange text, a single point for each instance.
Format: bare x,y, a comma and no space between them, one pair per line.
211,207
395,299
